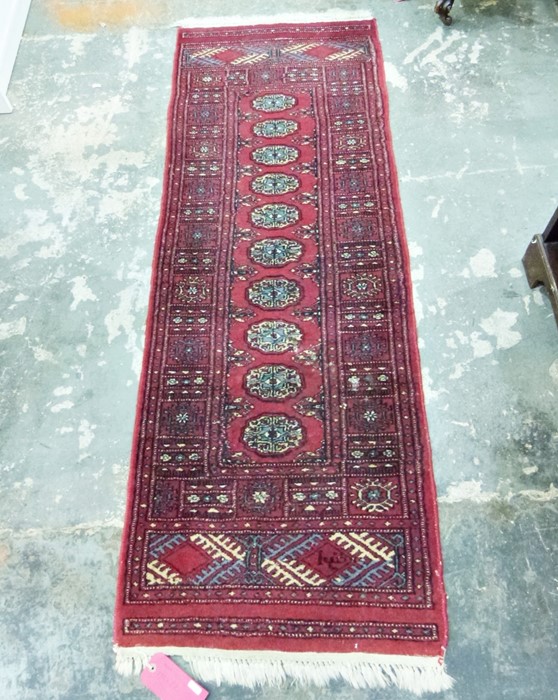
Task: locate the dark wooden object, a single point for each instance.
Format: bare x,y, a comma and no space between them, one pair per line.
541,261
443,9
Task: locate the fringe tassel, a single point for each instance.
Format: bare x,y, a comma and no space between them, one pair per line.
130,662
417,674
329,15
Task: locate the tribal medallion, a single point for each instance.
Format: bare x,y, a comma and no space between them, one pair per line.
275,155
275,183
274,336
275,128
273,382
272,216
275,252
273,103
274,293
273,434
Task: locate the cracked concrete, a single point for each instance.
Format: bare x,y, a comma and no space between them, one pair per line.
473,114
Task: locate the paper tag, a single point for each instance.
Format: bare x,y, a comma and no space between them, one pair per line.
169,682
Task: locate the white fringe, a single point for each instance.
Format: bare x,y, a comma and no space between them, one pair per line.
417,674
330,15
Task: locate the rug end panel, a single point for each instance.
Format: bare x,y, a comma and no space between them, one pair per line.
416,674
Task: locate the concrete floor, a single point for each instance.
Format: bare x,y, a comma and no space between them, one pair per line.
474,113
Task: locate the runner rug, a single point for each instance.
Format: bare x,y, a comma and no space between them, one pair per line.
282,519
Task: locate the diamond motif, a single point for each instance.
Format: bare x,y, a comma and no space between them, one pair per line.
322,51
187,559
328,559
229,55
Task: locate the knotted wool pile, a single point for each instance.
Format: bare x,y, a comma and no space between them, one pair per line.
281,517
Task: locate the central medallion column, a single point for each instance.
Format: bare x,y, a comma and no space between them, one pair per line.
274,380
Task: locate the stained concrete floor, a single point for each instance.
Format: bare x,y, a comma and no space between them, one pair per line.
474,113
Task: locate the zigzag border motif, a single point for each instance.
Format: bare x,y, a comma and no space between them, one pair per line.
341,51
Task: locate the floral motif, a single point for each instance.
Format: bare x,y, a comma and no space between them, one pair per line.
362,286
273,382
275,252
373,496
192,289
273,103
274,293
275,155
275,183
272,216
182,417
301,496
274,336
261,496
273,434
275,128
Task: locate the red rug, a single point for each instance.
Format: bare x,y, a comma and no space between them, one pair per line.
281,503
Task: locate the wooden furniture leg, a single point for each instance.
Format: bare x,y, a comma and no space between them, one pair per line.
541,261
